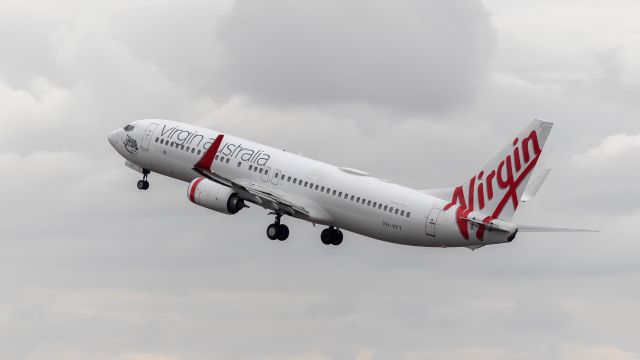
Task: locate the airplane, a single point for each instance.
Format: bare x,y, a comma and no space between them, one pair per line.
227,173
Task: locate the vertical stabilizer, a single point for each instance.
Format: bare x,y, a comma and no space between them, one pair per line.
497,188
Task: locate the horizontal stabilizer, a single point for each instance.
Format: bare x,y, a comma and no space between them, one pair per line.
534,228
535,185
491,225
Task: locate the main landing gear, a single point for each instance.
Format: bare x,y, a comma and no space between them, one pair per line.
144,184
331,236
277,231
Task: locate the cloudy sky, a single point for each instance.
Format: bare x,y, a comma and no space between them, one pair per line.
420,92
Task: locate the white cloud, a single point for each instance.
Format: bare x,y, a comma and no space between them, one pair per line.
611,146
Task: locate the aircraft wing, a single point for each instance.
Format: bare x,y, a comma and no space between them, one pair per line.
247,189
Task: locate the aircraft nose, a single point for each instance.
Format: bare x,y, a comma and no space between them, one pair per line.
113,137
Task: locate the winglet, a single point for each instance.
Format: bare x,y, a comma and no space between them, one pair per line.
534,186
207,159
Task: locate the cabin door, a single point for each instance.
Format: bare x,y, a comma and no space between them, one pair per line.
148,134
432,220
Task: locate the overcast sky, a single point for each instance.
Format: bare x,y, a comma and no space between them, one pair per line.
421,92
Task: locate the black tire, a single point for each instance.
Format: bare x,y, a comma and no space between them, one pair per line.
326,236
337,240
140,185
272,231
283,232
146,185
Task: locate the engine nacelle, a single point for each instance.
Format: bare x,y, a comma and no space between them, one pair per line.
214,196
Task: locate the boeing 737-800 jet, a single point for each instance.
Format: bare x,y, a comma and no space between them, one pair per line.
225,173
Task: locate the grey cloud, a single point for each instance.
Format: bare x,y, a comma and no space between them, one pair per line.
412,55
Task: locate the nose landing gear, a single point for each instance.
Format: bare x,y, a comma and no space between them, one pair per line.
143,184
277,231
331,236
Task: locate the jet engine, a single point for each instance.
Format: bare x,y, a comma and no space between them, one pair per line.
214,196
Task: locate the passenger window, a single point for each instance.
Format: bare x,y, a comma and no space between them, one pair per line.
295,181
369,203
346,195
352,197
408,214
380,206
250,167
396,211
261,169
358,199
228,160
328,190
193,150
385,208
340,194
289,179
402,213
171,144
334,192
322,189
181,147
375,204
300,182
266,171
282,177
310,186
217,156
255,169
161,141
317,186
157,139
239,163
199,151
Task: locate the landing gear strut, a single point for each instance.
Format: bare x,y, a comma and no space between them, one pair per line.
144,184
277,231
331,236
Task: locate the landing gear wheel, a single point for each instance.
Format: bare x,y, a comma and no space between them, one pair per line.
272,231
331,236
143,184
283,232
325,236
338,239
277,231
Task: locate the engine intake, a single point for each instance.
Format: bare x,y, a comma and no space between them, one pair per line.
214,196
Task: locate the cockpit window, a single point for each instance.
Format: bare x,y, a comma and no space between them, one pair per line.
128,128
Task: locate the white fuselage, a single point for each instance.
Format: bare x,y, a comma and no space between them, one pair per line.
345,198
